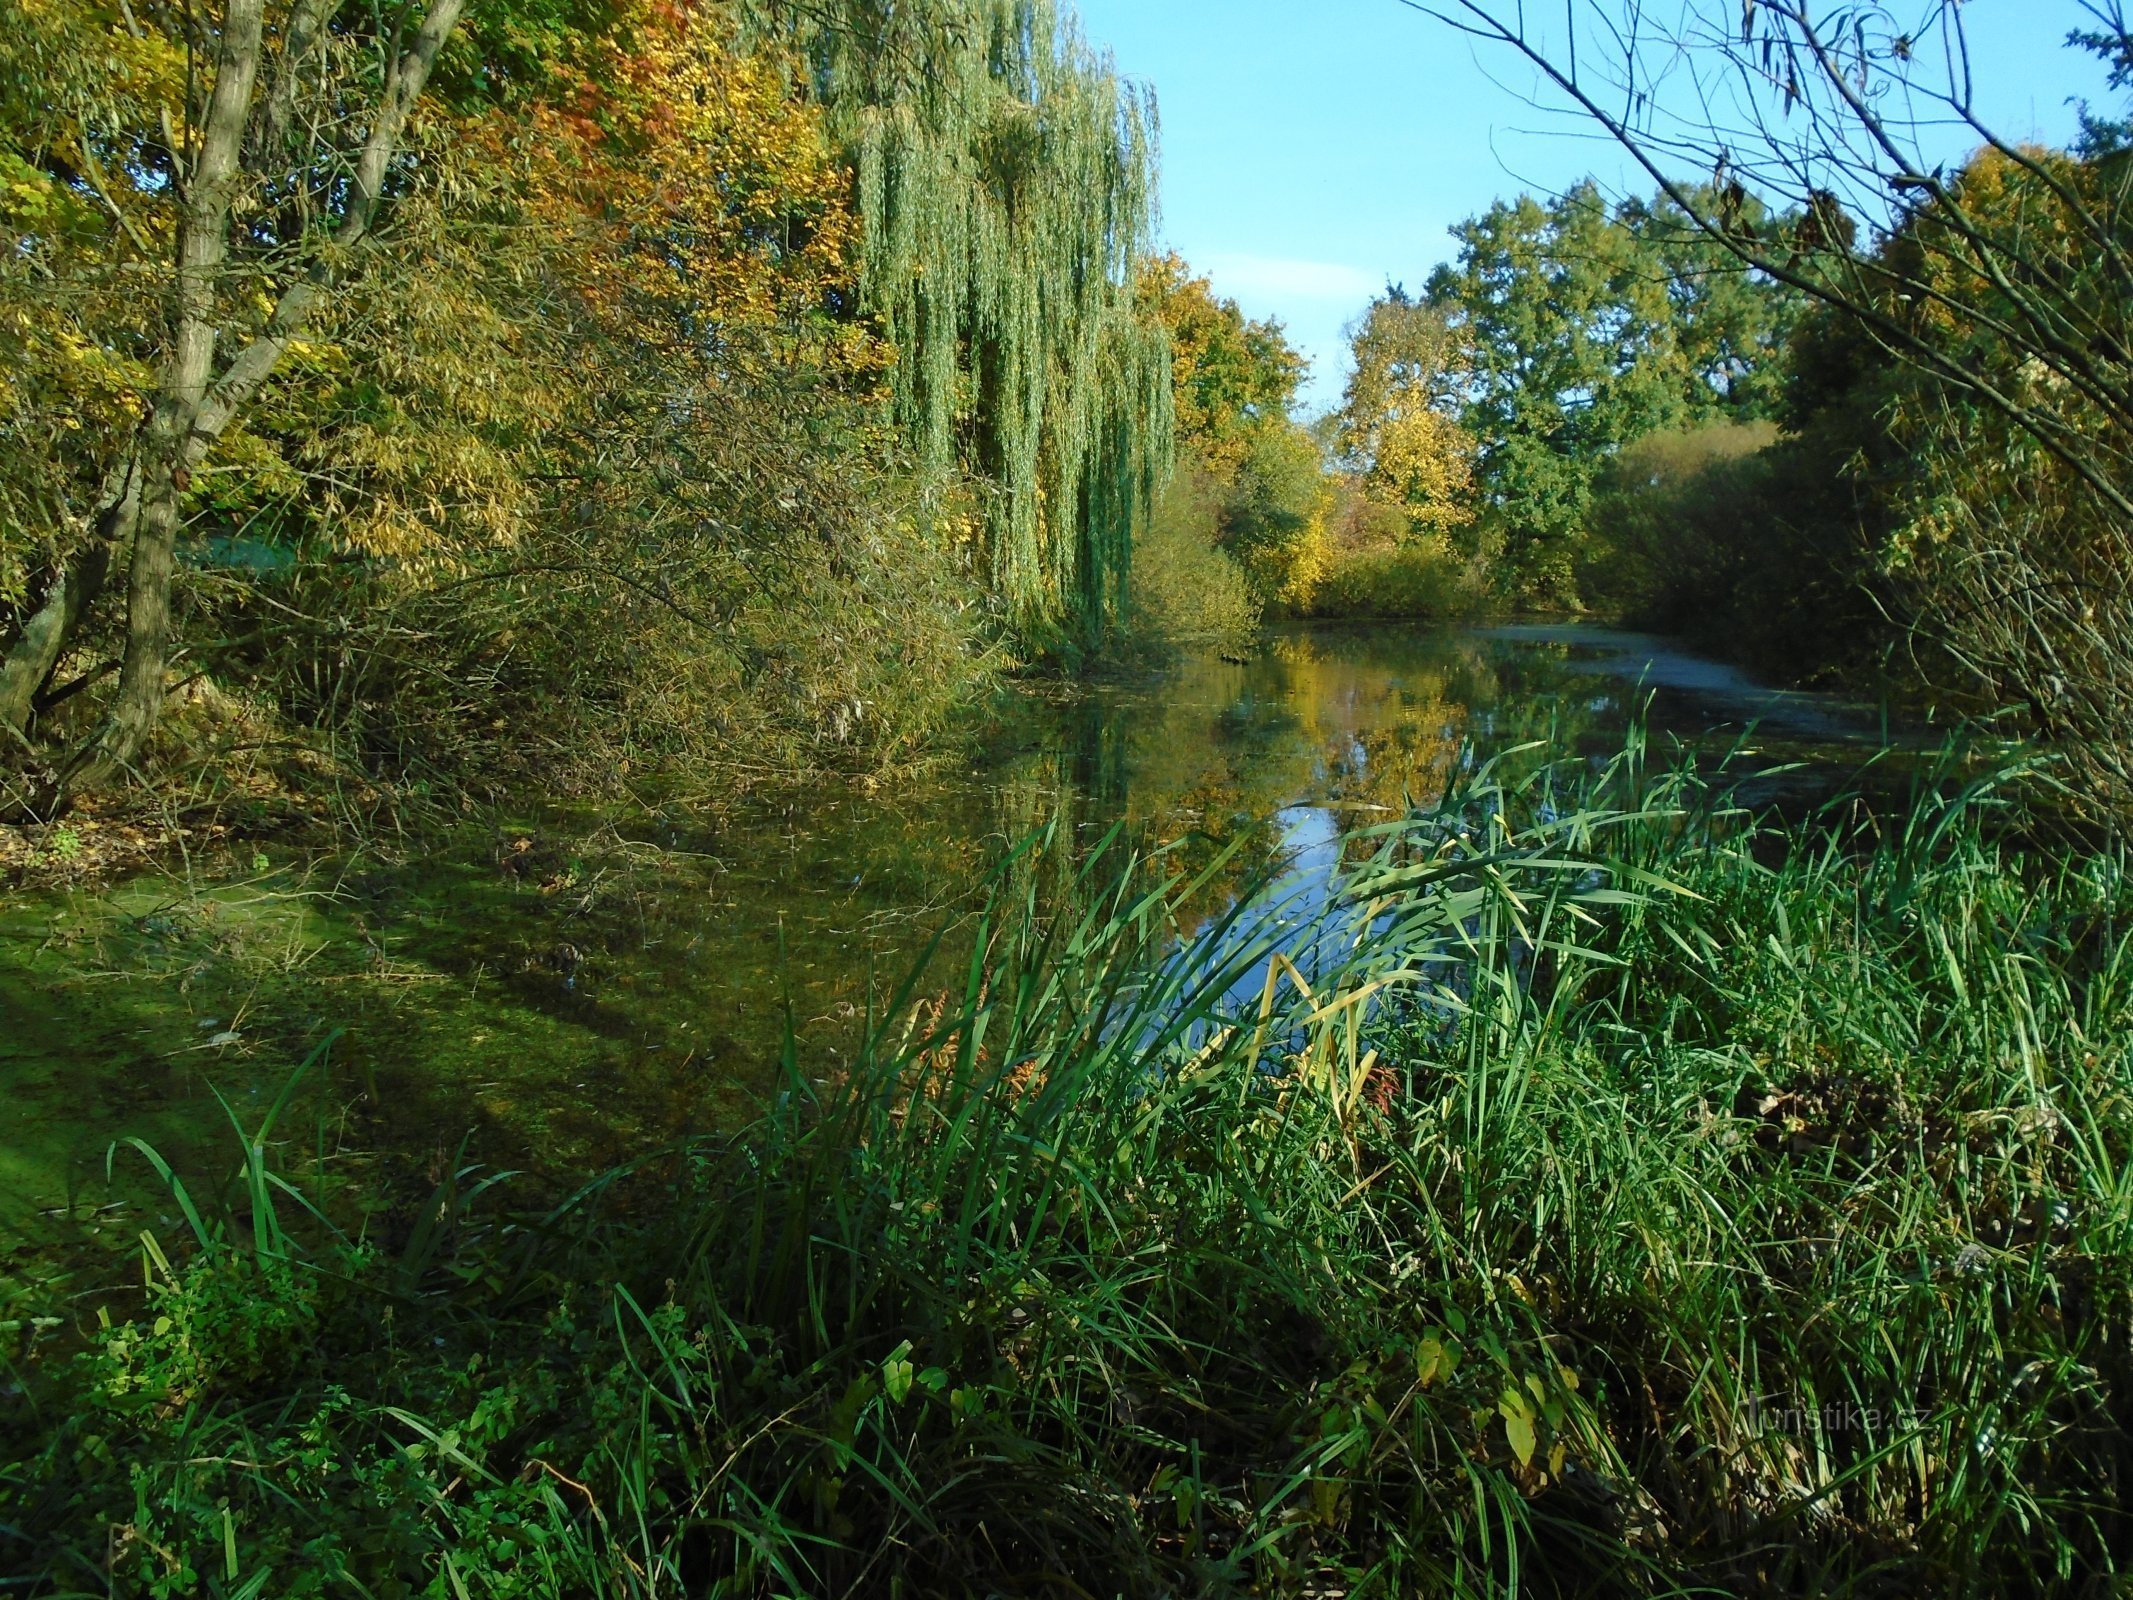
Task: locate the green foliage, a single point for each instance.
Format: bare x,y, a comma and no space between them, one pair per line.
1005,183
1950,494
1555,306
1248,485
1729,325
1273,513
2103,134
1186,587
2006,532
1230,375
1640,1200
1584,327
79,92
1651,488
1416,579
598,671
1743,543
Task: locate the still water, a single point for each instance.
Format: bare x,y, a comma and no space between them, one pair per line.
554,994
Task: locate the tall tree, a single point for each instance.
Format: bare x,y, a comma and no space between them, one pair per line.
1583,326
1570,353
1005,181
1400,344
1234,380
1230,373
1731,322
244,170
2004,285
1397,431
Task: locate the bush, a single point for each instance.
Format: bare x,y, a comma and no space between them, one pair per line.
1665,529
822,620
1185,587
1744,544
1274,514
1422,578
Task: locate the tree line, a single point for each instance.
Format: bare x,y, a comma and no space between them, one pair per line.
572,387
1833,409
1931,476
1467,463
610,392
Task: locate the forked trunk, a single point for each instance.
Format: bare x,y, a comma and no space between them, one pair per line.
51,628
193,405
43,640
168,442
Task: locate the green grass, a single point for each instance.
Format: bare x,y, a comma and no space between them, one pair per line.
1646,1201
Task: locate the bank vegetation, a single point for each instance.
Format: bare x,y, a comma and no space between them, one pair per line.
1627,1198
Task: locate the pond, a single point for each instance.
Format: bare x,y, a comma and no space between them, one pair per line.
555,993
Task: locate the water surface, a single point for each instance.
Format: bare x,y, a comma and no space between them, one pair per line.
554,993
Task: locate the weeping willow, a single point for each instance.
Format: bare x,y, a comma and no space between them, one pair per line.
1005,176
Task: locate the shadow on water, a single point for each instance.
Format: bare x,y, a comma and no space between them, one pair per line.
553,993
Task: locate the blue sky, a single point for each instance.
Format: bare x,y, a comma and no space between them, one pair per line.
1312,149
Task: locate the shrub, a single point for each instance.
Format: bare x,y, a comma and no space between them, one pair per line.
1745,544
1421,578
1185,587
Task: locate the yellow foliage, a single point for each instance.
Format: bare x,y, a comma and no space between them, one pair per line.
1288,572
579,276
1229,375
1308,559
2015,552
714,188
673,222
1424,464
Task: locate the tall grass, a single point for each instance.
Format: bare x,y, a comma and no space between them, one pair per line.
1629,1198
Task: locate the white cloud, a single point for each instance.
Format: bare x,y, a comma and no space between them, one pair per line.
1271,280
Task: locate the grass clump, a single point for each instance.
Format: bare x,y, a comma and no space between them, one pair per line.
1623,1197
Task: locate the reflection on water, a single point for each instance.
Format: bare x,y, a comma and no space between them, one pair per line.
1325,729
564,1004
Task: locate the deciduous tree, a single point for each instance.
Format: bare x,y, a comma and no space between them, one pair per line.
1230,373
2002,284
1005,184
244,168
1397,429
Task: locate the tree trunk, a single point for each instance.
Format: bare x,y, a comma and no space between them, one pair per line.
195,407
140,692
166,455
44,638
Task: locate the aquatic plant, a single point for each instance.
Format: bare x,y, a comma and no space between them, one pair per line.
1634,1198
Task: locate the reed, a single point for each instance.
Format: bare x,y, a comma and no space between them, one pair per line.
1602,1192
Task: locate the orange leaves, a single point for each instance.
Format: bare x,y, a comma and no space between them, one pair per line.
701,196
